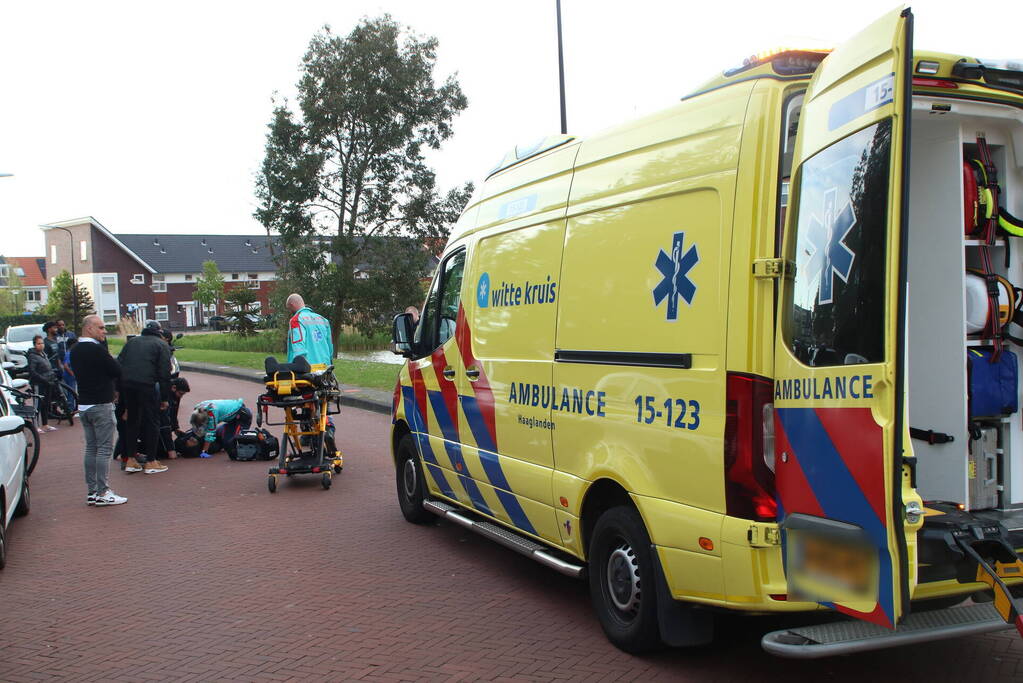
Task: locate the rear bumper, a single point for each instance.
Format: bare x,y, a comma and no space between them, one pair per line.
847,637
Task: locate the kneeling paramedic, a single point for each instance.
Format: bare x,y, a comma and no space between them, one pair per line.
219,421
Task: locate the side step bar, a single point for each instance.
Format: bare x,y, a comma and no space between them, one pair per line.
846,637
507,538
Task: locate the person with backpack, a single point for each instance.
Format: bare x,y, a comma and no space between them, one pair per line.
218,422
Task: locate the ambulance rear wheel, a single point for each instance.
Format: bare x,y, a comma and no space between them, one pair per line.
409,478
622,580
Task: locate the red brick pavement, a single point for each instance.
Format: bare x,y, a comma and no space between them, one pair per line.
204,575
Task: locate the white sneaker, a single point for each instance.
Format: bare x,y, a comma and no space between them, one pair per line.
110,498
50,428
90,499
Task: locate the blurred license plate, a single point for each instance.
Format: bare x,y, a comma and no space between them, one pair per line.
828,570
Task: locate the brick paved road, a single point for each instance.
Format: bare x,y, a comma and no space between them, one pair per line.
204,575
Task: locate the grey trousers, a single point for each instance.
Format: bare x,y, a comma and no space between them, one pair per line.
99,424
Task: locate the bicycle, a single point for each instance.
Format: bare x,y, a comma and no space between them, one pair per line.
61,408
23,407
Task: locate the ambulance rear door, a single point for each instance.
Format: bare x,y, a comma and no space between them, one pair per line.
839,358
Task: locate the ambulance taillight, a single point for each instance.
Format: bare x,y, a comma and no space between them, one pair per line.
749,448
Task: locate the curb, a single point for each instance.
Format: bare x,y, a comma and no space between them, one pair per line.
360,402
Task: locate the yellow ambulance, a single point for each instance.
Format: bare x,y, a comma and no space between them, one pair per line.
633,367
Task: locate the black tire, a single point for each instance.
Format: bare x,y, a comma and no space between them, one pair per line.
409,479
31,448
25,502
325,480
3,535
622,581
271,483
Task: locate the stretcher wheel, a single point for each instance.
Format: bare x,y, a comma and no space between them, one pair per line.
337,469
325,480
271,483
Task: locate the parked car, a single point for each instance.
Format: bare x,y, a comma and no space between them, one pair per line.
217,322
18,338
14,490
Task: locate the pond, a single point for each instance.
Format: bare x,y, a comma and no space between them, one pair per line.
384,356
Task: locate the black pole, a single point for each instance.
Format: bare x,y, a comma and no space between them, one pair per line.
74,284
561,73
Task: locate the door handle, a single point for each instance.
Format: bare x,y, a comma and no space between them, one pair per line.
448,372
473,373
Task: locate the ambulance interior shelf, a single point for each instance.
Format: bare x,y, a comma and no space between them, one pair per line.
984,472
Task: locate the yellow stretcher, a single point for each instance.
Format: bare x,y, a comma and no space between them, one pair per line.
308,400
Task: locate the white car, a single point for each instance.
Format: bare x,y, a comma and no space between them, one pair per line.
19,338
14,494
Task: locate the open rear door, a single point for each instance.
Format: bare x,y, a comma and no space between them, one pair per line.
839,361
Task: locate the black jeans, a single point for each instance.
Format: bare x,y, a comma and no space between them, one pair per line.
142,421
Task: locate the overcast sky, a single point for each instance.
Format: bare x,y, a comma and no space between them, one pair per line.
152,117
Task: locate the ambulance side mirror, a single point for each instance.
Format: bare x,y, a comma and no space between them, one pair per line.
402,330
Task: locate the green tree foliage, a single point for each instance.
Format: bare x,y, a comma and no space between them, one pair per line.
240,303
61,303
209,288
345,175
12,293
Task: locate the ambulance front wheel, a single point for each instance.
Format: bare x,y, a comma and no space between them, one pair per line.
622,581
409,479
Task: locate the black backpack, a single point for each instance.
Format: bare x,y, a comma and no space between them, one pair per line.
255,444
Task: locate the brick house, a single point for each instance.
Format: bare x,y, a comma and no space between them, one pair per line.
31,271
152,276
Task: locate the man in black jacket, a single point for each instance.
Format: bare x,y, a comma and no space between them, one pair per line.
145,367
97,374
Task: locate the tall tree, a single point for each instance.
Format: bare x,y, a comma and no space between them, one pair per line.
61,304
209,287
12,293
348,166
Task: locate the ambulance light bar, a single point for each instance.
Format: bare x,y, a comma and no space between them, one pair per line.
785,61
1003,74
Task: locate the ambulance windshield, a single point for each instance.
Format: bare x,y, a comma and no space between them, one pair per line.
836,314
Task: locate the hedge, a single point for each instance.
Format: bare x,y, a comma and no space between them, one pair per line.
9,320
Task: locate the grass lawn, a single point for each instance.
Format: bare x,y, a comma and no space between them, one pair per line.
359,373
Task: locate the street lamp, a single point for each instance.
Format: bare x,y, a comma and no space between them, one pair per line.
74,282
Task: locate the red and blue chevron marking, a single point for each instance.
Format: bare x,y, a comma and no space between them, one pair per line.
416,423
480,413
836,471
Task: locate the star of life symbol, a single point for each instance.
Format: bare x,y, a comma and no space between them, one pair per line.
830,256
675,269
483,291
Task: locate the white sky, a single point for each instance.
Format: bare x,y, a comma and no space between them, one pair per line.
152,118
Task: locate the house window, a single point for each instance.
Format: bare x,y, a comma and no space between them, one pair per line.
252,284
33,295
53,253
234,276
109,316
5,270
84,251
253,276
209,308
138,279
161,313
188,276
108,288
159,283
